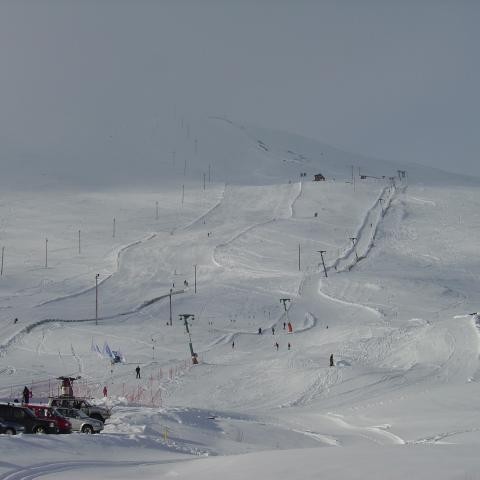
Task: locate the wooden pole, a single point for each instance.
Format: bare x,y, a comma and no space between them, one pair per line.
1,268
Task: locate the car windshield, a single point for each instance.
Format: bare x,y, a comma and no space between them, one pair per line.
57,413
82,414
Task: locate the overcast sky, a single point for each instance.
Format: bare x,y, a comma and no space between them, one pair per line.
394,79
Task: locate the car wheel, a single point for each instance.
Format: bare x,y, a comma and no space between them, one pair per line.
87,429
10,431
39,429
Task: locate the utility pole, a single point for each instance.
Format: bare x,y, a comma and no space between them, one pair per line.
209,173
354,239
96,298
1,268
185,317
381,203
156,210
299,267
195,272
321,252
204,181
183,194
114,225
170,298
46,253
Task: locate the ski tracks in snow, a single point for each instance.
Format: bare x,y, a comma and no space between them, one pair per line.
42,469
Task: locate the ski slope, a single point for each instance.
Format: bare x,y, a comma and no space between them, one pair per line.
394,310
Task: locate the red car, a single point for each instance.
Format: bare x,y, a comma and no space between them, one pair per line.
44,411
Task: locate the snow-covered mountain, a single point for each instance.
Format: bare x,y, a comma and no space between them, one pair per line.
215,216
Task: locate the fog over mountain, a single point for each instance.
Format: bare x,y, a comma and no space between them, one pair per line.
94,87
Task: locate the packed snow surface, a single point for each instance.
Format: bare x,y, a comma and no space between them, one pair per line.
228,232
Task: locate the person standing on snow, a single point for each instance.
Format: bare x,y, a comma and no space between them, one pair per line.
26,394
138,371
105,391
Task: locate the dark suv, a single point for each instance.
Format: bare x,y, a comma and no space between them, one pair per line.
24,416
10,428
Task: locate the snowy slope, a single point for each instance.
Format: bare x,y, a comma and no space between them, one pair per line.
394,311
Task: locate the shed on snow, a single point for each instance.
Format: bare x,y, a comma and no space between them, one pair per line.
318,178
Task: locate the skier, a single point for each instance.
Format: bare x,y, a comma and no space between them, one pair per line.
332,363
138,371
26,394
16,320
273,330
289,345
233,345
290,328
276,345
259,330
105,391
284,325
185,283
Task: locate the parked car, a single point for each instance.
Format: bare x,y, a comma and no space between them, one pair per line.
80,421
10,428
93,411
24,416
51,413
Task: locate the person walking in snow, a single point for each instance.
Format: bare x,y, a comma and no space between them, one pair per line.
105,391
138,371
284,325
276,345
332,363
259,330
273,330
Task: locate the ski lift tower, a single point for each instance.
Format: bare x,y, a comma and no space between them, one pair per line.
185,317
284,301
66,388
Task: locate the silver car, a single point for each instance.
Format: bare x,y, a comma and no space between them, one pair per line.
80,421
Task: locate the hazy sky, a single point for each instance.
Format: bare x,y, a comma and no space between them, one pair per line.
394,79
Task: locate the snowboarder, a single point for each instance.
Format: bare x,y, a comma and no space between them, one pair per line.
138,371
332,363
105,391
259,330
26,394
